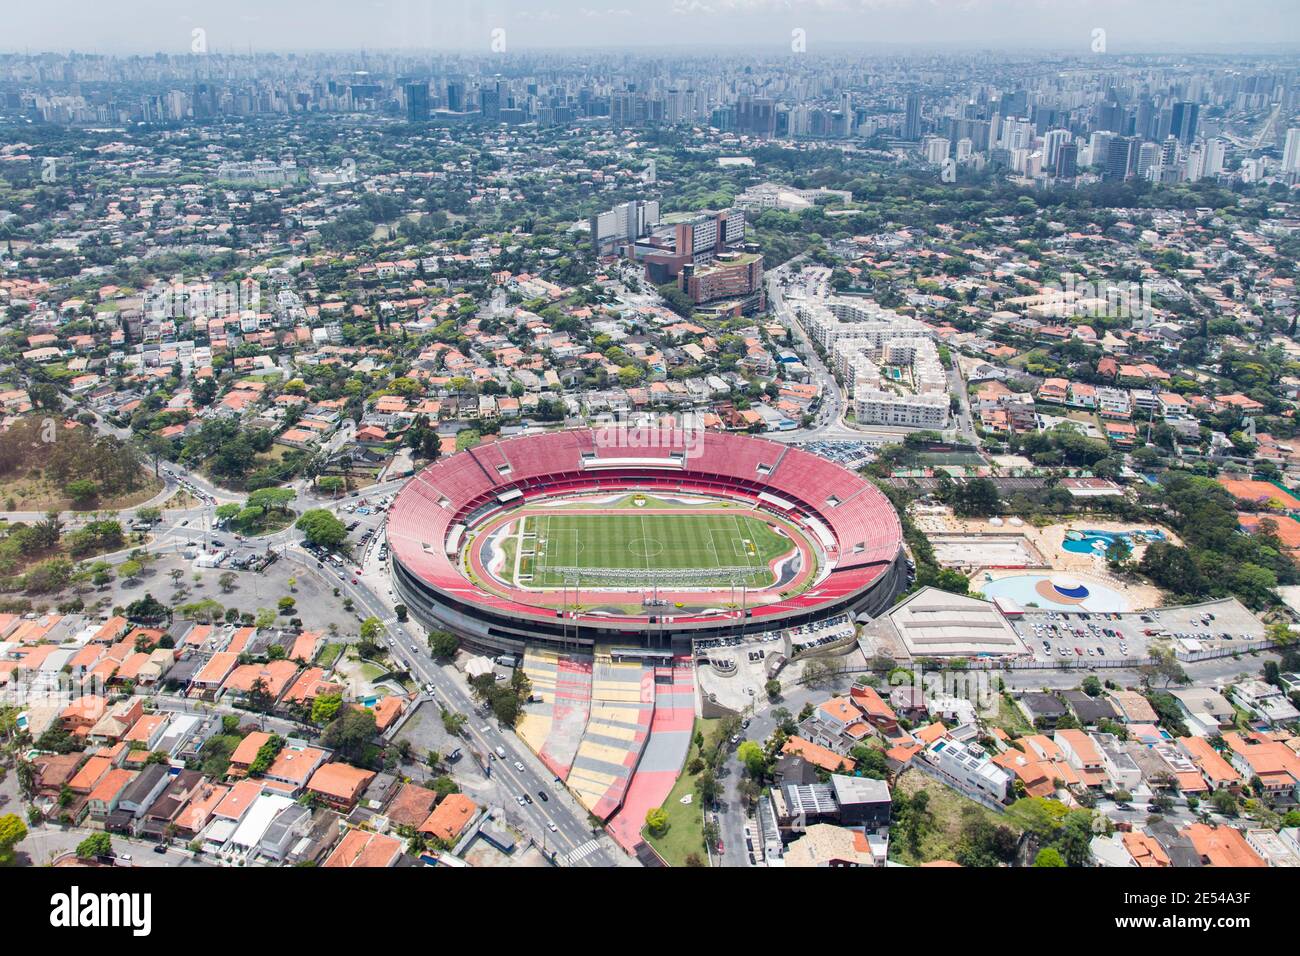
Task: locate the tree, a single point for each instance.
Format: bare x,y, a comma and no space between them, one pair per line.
1173,568
372,629
82,491
1224,802
1048,856
773,689
453,722
443,644
321,528
205,612
147,610
977,497
821,673
1164,665
227,581
751,755
871,761
1118,552
12,832
656,821
271,499
325,707
351,733
1075,838
707,785
95,845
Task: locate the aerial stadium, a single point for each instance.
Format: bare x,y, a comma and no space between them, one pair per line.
638,538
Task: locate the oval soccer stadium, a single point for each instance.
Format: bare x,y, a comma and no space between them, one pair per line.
641,537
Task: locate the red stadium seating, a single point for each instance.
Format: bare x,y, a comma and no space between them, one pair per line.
451,491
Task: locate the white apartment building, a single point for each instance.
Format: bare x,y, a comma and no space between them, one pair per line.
861,337
968,769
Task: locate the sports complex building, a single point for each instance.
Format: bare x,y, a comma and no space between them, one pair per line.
639,539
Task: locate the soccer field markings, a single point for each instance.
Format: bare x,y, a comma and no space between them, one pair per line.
727,544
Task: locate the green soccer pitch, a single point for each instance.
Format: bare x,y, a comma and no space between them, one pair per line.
640,548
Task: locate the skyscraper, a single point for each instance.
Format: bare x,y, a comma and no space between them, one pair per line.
912,118
1291,152
1183,121
417,102
456,96
1120,155
1067,161
489,99
1052,143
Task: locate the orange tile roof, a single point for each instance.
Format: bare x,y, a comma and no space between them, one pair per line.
1209,760
930,732
1222,846
411,806
275,675
340,780
247,750
361,848
239,799
90,773
817,755
450,817
1146,852
295,765
111,784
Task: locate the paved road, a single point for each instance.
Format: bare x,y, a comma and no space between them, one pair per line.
572,834
45,843
192,527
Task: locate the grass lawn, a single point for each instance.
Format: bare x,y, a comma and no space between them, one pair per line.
370,672
685,833
948,810
33,492
181,500
1010,719
268,523
328,654
658,540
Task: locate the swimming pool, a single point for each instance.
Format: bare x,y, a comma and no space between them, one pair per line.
1098,541
1056,592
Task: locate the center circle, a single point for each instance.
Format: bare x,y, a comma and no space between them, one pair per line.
645,547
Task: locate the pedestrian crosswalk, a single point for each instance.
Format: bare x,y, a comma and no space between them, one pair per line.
579,853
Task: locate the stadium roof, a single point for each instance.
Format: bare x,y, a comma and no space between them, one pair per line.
935,623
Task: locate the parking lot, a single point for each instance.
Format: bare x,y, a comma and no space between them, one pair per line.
1215,625
822,632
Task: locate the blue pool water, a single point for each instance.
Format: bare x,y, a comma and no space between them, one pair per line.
1040,591
1099,541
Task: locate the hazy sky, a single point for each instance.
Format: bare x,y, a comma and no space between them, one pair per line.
147,26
